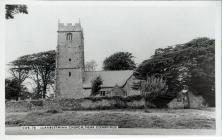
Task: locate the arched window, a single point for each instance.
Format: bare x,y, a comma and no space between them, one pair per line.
69,36
69,74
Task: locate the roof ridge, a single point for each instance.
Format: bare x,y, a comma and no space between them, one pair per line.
109,71
110,78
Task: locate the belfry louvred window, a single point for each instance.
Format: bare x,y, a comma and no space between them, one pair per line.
69,36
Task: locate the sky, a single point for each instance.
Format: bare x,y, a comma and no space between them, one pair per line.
139,29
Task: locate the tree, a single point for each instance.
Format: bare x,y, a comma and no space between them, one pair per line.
90,66
19,73
13,9
119,61
190,64
42,69
96,85
151,88
13,90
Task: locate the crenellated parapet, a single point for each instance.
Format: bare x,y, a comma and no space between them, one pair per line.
69,27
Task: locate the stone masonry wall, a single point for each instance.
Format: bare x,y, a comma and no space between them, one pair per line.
92,103
69,104
69,61
23,106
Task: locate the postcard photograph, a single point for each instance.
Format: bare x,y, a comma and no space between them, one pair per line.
110,68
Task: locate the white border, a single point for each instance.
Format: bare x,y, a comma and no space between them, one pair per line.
121,3
218,70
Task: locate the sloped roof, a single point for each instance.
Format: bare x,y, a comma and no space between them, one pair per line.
110,78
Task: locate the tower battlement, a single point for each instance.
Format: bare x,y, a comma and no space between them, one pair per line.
69,27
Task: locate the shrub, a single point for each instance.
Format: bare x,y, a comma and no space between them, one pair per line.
134,97
54,110
37,102
152,88
96,85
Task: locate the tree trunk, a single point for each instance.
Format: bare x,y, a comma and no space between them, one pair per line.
44,91
38,89
188,100
145,104
19,84
16,98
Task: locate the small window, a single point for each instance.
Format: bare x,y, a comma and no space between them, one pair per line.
69,59
102,93
69,74
69,36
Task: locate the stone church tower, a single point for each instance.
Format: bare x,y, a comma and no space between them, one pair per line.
70,61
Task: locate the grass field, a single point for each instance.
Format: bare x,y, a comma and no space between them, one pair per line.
157,118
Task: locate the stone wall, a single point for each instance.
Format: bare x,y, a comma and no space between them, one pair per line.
178,102
23,106
69,86
68,104
196,101
94,103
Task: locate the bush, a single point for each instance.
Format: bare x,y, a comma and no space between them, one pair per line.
54,111
37,102
54,108
134,97
96,85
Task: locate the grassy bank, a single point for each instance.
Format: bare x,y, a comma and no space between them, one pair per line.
157,118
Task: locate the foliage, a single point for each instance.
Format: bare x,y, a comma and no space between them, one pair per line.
18,70
37,103
54,109
151,88
11,10
41,68
13,90
90,66
119,61
191,64
19,73
96,85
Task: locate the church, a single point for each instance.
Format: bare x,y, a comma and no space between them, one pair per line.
72,81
